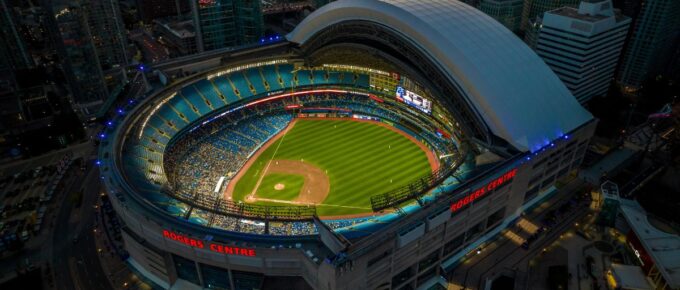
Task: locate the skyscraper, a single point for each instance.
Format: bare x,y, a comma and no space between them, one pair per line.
91,43
153,9
582,46
654,35
533,8
226,23
507,12
13,52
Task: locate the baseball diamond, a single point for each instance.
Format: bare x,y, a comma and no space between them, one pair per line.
352,159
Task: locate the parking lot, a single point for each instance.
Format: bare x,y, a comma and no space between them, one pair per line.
26,195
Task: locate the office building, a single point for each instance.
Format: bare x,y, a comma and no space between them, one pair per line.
226,23
12,47
536,8
651,43
91,41
507,12
582,46
154,9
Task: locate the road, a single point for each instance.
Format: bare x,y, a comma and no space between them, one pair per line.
76,263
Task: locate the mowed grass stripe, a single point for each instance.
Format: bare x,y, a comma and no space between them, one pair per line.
357,156
292,186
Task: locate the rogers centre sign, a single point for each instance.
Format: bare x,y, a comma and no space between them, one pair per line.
482,191
218,248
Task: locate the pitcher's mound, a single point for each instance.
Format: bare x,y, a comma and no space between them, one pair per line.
279,186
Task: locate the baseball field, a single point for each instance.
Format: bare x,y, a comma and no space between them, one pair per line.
334,164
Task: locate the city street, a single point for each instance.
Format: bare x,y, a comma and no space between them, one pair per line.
74,254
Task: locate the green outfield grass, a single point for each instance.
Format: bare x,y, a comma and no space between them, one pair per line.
361,159
292,182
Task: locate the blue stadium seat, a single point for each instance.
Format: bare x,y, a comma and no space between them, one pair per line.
256,80
169,114
269,73
191,94
363,81
241,85
223,85
333,78
303,78
286,72
183,107
320,77
208,90
347,78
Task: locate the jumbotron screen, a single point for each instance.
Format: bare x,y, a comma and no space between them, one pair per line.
414,100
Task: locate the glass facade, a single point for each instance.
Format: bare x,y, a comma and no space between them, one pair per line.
507,12
13,53
247,280
186,269
90,38
215,277
227,23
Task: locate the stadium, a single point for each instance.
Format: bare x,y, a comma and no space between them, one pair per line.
371,148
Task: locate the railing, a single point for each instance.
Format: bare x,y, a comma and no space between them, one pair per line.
218,205
414,190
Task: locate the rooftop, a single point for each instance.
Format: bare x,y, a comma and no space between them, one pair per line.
574,13
663,247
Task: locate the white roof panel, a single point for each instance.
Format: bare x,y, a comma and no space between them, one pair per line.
517,95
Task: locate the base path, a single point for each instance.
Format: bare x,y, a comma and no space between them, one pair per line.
228,193
316,186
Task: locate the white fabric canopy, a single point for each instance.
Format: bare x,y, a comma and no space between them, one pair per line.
517,95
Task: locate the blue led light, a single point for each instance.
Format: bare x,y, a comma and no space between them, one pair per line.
102,136
109,123
98,162
566,136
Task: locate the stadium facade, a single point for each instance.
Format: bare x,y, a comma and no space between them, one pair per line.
515,126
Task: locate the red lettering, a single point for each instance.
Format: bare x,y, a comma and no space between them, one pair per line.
493,184
196,243
228,250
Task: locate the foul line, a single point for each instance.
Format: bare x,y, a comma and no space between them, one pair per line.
251,196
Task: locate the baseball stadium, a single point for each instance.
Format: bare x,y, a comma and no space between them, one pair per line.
371,148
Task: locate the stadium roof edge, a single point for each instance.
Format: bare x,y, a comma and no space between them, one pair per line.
516,94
